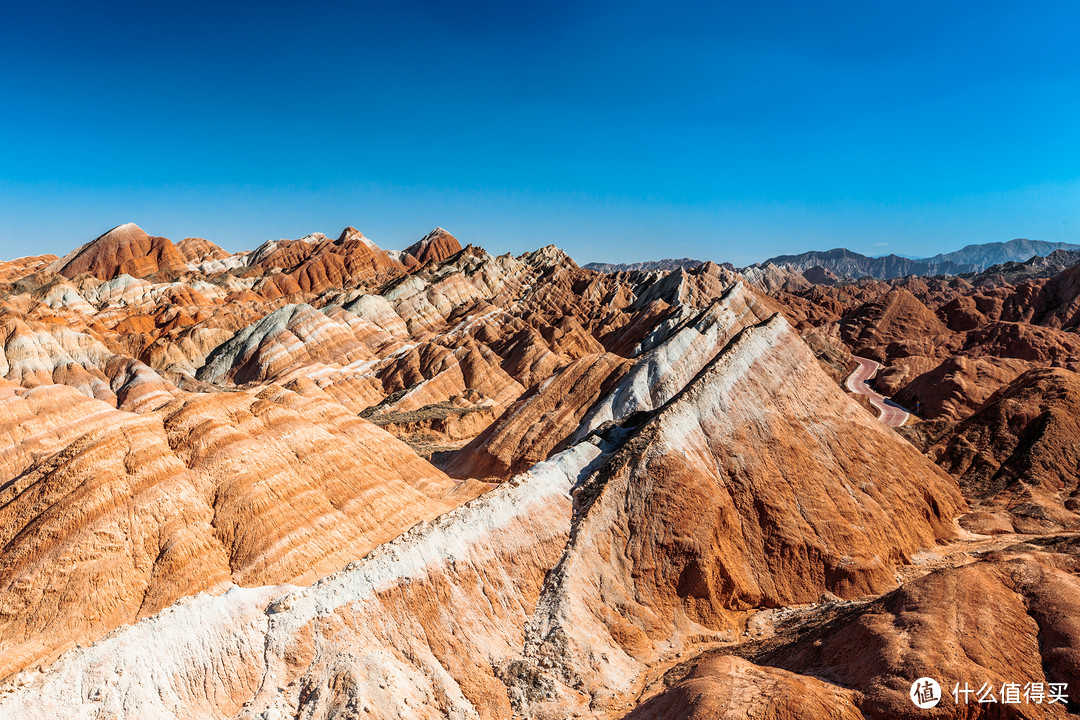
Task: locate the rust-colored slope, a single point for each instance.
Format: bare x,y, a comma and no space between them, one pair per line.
1007,618
897,318
316,263
114,516
761,484
197,250
124,250
675,467
726,687
13,270
1019,454
436,246
948,343
540,421
742,488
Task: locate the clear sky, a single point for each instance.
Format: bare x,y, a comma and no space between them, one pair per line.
620,131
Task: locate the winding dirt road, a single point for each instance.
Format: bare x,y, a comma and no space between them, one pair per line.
889,412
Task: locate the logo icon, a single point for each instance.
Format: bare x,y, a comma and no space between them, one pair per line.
925,693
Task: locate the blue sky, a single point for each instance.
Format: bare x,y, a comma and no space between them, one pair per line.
619,131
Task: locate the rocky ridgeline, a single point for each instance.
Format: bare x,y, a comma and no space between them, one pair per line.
320,479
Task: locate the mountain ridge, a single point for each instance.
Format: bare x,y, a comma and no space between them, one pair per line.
646,265
323,479
850,265
975,258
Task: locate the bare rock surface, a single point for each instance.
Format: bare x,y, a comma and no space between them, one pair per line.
321,479
124,250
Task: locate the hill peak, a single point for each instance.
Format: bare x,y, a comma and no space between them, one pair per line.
124,250
437,245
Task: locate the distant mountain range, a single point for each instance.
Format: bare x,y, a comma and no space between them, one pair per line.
970,259
648,266
849,265
1037,266
988,254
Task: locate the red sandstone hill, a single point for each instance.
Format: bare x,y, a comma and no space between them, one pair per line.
437,245
947,342
195,250
1008,617
1019,453
316,263
321,479
124,250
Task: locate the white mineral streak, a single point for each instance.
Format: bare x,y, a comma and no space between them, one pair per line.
566,629
663,371
214,657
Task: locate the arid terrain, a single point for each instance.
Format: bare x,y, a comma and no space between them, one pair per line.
321,479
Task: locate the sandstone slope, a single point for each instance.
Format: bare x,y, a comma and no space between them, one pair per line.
528,599
321,479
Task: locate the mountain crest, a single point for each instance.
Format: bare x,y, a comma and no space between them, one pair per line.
125,250
436,246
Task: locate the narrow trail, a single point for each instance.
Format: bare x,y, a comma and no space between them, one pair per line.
889,412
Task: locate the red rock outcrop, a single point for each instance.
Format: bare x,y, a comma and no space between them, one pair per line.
436,246
947,342
124,250
896,326
200,250
540,421
315,264
114,515
494,606
12,270
1006,619
694,519
953,389
726,687
1018,456
647,495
